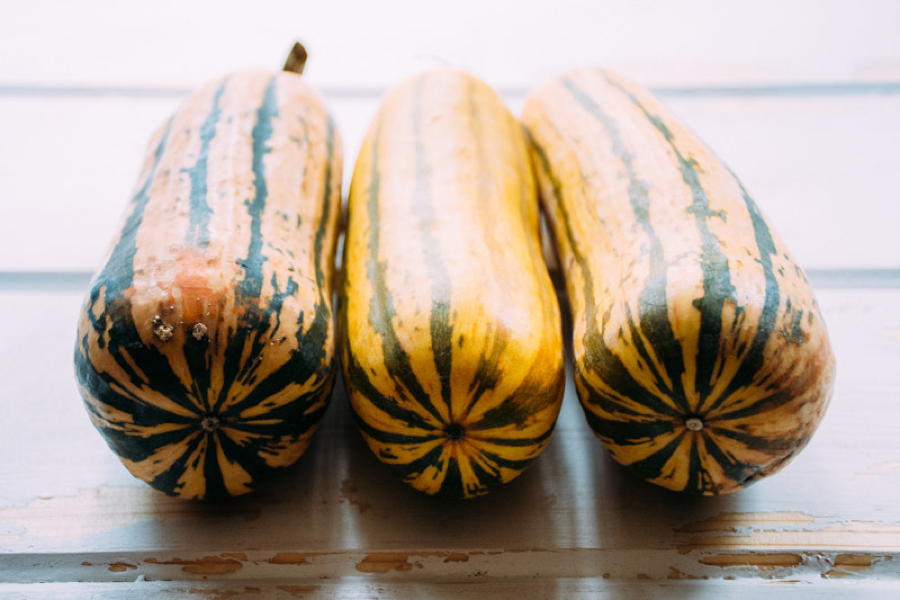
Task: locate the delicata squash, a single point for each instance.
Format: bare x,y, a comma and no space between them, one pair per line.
452,350
205,350
701,358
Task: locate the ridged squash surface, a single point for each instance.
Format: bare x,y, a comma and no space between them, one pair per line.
205,348
452,348
701,358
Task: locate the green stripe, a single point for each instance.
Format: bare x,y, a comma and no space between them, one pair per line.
381,306
598,357
653,311
739,472
324,222
167,481
752,365
389,437
439,321
359,379
630,432
200,210
519,442
717,286
652,466
261,135
487,373
699,480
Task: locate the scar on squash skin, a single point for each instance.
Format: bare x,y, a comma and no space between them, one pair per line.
199,331
162,330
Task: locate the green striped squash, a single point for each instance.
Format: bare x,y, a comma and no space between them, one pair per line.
451,341
701,358
205,349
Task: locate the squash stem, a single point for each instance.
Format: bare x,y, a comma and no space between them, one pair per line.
296,59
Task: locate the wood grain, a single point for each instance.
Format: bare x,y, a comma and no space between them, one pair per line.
72,513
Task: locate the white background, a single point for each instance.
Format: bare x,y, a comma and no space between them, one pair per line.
83,84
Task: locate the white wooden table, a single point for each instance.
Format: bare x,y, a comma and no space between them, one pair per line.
802,100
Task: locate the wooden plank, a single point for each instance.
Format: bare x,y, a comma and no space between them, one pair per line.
517,589
70,512
510,43
476,587
822,167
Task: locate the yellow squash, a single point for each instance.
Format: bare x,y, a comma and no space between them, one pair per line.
451,337
701,359
205,350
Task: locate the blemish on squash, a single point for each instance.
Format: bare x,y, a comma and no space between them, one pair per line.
118,567
384,562
162,330
198,331
208,565
191,280
754,559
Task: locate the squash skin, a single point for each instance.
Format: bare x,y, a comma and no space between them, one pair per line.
702,361
205,348
450,328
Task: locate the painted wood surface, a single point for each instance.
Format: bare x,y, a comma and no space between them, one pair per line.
506,42
70,512
822,167
512,589
802,99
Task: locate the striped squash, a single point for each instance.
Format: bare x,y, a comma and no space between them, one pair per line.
205,350
701,358
451,340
